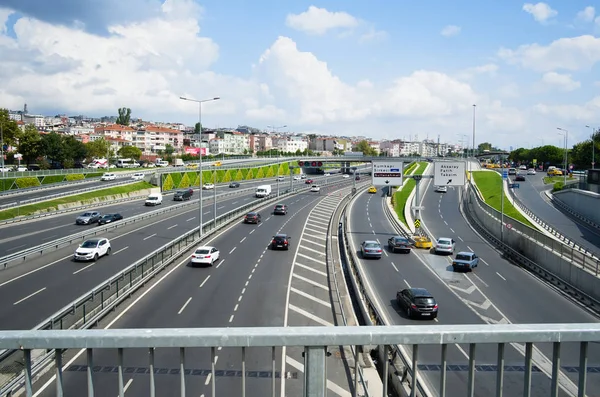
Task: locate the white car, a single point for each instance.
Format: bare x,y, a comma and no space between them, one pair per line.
281,178
531,171
208,186
445,245
138,176
92,249
327,174
297,178
523,167
315,188
109,176
205,255
441,189
346,176
21,168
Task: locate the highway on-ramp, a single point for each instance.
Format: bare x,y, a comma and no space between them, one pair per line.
532,194
19,236
499,292
250,286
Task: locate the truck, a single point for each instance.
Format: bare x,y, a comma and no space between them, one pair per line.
98,163
161,163
263,191
178,163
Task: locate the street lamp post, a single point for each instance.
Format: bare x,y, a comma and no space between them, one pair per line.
566,135
215,195
200,102
474,107
292,178
594,132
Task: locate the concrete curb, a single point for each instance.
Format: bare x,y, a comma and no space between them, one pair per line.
407,211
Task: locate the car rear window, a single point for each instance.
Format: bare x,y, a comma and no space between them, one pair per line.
444,242
202,252
372,245
463,257
424,301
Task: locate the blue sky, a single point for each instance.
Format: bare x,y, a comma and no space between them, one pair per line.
384,69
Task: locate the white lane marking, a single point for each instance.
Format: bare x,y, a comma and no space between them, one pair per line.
313,242
234,203
220,208
184,305
385,252
191,219
446,223
307,280
479,278
313,259
220,263
83,268
436,320
312,270
310,315
395,268
29,296
150,236
312,298
499,275
121,250
462,351
208,378
441,216
171,227
207,212
242,240
233,249
340,391
252,231
406,282
18,246
452,230
235,308
310,249
50,237
231,318
470,249
460,238
129,382
204,282
487,264
370,225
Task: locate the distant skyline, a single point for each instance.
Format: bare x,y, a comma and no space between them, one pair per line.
387,70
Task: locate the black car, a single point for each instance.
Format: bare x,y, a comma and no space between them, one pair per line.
182,195
357,177
234,184
417,302
399,243
520,177
280,241
108,218
252,217
280,209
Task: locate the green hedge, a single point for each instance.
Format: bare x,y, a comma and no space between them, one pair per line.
29,181
74,177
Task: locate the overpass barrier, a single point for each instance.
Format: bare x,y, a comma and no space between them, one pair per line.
269,340
571,271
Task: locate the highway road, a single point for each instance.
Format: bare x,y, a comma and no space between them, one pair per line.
499,292
250,286
495,292
16,237
38,288
531,193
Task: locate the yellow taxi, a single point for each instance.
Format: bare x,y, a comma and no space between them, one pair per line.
192,165
372,189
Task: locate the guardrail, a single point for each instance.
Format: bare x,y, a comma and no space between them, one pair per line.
94,231
92,306
564,207
574,255
369,309
548,228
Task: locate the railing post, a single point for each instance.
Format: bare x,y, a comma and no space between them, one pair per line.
315,371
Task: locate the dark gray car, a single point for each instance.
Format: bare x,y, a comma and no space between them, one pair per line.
182,195
87,218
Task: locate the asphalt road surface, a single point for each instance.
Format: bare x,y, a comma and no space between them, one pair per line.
250,286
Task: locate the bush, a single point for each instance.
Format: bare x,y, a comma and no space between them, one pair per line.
185,181
167,183
27,182
558,186
48,179
74,177
7,184
93,174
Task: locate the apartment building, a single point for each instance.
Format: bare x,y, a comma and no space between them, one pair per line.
291,144
234,142
391,148
34,119
148,138
328,144
260,142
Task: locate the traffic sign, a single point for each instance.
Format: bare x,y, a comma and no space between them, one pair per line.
513,186
417,223
387,173
417,177
504,174
449,173
509,226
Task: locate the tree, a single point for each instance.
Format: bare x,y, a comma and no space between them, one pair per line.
10,129
198,128
52,147
169,149
74,150
98,148
130,152
484,146
364,147
30,144
124,117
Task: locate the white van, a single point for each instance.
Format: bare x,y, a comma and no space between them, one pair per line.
154,199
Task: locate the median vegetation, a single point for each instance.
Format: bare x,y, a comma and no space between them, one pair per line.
400,197
81,199
33,181
489,185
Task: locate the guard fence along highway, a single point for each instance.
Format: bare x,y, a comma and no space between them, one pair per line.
368,307
558,202
91,307
557,269
574,255
19,257
549,228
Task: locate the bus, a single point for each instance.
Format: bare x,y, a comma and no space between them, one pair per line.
127,163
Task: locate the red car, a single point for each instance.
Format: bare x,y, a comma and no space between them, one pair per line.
309,181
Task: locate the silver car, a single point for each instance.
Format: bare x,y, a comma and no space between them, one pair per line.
445,245
371,249
87,218
441,189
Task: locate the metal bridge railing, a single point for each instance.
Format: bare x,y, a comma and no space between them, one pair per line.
265,341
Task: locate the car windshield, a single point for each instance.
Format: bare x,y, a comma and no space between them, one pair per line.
463,257
87,214
107,216
152,198
424,301
89,244
202,252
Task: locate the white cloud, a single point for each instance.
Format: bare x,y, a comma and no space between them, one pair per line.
586,113
318,21
587,14
562,81
510,90
574,53
4,14
541,11
450,30
373,35
489,69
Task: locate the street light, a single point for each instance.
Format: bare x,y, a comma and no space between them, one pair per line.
200,102
215,195
566,135
474,107
292,167
594,132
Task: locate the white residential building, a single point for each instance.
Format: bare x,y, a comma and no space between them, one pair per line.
291,144
391,148
216,146
34,119
233,142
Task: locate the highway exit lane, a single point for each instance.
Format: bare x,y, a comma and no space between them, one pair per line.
247,287
511,294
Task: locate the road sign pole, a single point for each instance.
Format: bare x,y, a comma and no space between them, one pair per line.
417,202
